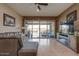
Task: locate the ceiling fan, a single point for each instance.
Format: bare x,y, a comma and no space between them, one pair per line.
43,4
40,4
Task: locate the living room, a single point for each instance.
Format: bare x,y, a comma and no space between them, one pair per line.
40,29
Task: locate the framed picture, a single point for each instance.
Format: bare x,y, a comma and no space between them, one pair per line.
72,16
8,20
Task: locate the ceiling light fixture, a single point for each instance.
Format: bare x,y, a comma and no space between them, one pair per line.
40,4
37,10
38,7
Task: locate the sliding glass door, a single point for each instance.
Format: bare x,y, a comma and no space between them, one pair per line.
38,30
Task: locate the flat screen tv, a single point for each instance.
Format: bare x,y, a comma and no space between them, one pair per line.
64,29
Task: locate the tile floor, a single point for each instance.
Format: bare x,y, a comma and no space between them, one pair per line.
50,47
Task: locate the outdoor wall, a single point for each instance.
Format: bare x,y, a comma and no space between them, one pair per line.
9,11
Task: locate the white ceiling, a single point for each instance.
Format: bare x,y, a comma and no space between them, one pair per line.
29,9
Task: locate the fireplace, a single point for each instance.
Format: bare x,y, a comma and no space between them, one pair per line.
64,39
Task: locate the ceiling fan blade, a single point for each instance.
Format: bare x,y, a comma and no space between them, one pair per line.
44,4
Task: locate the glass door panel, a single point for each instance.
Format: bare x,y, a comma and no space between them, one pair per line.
29,30
43,31
49,33
35,31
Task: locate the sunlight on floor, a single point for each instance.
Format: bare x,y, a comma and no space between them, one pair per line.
34,40
41,41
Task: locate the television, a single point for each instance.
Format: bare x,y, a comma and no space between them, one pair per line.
64,29
67,28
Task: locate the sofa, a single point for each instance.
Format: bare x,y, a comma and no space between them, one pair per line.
11,45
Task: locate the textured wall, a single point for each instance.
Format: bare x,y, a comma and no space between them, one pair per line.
9,11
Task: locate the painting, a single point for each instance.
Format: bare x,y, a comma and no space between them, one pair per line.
8,20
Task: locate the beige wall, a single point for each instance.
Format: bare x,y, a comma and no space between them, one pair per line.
9,11
70,9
